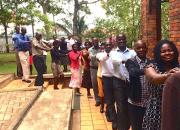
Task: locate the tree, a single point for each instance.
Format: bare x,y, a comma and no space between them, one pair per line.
5,18
80,5
126,14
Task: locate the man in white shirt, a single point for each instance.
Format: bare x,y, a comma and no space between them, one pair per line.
107,77
120,76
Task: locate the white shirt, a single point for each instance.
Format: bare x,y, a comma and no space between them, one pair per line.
70,43
119,69
106,63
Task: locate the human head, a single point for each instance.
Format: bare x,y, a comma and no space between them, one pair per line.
75,47
38,36
108,47
165,52
62,39
56,44
17,29
23,30
121,41
54,37
140,49
87,45
95,42
102,45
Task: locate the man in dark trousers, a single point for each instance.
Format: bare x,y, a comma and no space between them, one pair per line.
120,85
138,89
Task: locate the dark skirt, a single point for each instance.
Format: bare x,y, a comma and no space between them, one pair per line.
86,81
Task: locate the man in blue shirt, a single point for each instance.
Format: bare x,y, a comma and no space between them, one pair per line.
15,37
23,48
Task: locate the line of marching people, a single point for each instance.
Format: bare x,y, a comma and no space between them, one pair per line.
125,80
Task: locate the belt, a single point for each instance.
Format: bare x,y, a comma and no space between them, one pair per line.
93,67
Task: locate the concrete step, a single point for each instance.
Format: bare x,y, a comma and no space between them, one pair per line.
5,79
51,111
18,85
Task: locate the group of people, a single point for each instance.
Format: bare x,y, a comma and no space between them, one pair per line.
124,79
130,84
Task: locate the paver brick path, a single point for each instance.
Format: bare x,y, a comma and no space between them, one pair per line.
11,103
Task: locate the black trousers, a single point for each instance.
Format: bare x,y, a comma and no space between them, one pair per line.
40,68
136,114
120,89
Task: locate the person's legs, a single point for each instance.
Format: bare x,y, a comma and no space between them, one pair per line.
24,59
45,66
95,85
109,100
101,93
19,67
136,114
121,99
39,65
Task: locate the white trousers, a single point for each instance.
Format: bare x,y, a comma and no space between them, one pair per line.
24,59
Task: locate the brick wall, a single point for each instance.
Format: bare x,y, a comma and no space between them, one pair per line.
174,16
150,24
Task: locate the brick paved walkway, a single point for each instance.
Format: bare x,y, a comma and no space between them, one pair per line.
11,103
91,118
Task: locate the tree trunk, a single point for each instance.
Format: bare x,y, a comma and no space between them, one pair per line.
45,25
6,37
76,9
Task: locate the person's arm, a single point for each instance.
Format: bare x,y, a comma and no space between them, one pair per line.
154,77
39,47
133,69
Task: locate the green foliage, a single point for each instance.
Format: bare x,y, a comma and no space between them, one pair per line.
165,20
124,16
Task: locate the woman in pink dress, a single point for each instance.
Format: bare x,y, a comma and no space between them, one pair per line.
76,77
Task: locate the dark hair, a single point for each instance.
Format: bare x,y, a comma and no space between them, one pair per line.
157,55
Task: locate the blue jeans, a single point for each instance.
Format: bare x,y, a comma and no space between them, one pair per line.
120,89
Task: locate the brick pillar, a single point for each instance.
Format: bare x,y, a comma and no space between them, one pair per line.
150,23
174,15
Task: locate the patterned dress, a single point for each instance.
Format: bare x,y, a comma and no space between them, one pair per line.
152,117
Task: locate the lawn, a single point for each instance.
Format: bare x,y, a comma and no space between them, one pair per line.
8,63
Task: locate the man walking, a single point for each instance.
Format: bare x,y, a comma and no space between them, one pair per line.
15,38
94,67
38,59
23,48
119,56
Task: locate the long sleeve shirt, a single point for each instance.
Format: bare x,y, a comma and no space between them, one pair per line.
92,55
119,58
23,43
106,63
74,59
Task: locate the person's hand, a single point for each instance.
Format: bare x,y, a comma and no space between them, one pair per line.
174,70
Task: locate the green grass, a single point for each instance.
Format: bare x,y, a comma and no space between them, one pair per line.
8,63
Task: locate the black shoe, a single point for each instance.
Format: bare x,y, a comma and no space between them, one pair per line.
101,110
97,104
27,81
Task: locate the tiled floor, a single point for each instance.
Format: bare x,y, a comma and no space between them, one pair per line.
91,118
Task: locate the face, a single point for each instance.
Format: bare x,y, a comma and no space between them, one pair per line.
75,47
23,30
121,42
17,29
95,42
38,37
108,47
140,49
87,45
166,53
